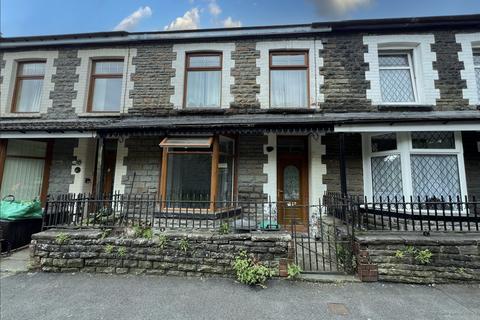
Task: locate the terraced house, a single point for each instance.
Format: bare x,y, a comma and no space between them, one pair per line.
281,114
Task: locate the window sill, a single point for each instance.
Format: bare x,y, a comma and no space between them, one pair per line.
291,110
99,114
404,107
215,110
21,115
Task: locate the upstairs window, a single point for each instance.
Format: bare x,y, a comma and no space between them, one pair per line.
106,86
28,87
203,80
476,64
289,79
397,78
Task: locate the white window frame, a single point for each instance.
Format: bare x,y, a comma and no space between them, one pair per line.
410,68
405,150
469,42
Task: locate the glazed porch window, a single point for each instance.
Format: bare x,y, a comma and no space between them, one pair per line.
197,172
397,78
106,86
203,80
28,87
289,79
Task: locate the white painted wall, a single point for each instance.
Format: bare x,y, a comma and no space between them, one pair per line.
316,169
270,168
85,152
120,167
179,65
9,73
468,42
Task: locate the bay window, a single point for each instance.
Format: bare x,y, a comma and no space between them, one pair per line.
397,77
197,172
105,86
289,79
25,168
428,165
203,80
28,87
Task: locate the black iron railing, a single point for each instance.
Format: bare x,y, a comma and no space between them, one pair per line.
406,214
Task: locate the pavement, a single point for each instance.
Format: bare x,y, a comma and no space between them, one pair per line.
95,296
16,261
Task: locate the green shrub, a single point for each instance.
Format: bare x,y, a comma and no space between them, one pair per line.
143,232
250,271
184,245
293,271
423,256
122,251
109,248
62,238
162,241
399,254
224,228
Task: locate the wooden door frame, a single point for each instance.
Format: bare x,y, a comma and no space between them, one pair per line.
304,176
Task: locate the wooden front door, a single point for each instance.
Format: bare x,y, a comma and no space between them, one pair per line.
109,170
292,180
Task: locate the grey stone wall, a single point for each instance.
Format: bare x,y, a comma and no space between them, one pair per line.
207,252
245,72
456,256
144,159
2,65
64,80
153,72
251,159
345,87
449,81
354,164
471,157
60,170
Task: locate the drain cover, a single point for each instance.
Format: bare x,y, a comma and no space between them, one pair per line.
338,309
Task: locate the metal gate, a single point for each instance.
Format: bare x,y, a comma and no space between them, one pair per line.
325,245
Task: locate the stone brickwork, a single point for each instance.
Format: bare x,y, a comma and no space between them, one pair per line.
354,164
251,159
450,82
2,65
245,72
61,169
144,159
344,87
64,81
152,79
206,252
455,256
471,156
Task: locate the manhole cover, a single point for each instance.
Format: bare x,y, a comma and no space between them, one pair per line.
338,309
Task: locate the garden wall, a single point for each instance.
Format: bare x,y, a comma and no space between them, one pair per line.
394,256
174,253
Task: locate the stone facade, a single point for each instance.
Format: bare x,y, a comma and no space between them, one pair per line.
455,256
60,171
206,252
152,79
64,80
144,159
354,164
251,159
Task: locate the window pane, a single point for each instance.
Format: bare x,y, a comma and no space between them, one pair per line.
396,85
32,69
225,179
204,61
203,89
477,76
387,177
476,58
226,145
109,67
435,176
22,178
188,179
384,142
288,60
29,95
289,88
433,140
107,94
26,148
291,183
398,60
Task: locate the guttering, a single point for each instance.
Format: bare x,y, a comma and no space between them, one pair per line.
46,134
195,35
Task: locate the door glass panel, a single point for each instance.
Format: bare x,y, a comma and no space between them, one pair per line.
291,183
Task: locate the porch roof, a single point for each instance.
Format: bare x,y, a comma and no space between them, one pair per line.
224,123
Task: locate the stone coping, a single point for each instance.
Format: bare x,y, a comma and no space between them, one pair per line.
418,237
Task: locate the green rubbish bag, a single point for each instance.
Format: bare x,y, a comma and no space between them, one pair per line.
18,210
